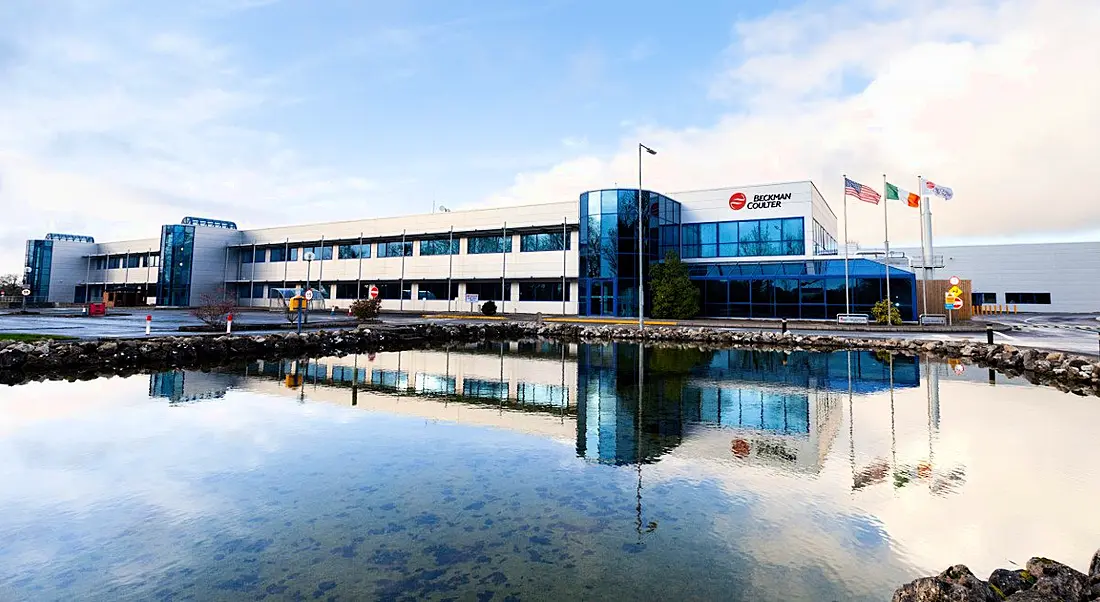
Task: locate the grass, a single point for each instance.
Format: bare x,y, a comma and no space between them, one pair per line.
26,337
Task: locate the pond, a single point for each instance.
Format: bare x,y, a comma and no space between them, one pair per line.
530,471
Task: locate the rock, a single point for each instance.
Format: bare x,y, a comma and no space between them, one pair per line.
1056,579
956,584
1008,582
1092,588
1031,595
108,347
1094,567
1055,357
969,350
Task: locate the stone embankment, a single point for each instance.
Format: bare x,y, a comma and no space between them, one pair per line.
53,359
1043,580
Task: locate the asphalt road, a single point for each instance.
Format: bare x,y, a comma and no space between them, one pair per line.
1076,333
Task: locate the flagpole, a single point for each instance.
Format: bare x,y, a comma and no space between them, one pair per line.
847,290
924,270
886,231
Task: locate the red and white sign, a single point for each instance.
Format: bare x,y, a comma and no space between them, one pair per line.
373,292
958,303
737,201
954,280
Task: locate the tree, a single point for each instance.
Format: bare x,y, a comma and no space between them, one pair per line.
10,282
489,308
213,309
366,309
674,296
880,309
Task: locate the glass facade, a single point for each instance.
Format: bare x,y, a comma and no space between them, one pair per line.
38,260
354,251
747,238
542,291
824,243
609,247
799,289
177,247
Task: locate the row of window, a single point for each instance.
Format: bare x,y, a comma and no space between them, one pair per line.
1011,298
475,245
129,260
824,243
435,290
748,238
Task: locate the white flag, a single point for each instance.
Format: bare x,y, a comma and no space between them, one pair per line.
940,191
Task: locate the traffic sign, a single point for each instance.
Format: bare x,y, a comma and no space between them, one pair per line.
954,280
959,369
373,292
26,292
471,298
958,304
948,297
955,291
949,305
309,294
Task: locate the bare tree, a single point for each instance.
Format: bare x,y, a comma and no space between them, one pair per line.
213,309
10,282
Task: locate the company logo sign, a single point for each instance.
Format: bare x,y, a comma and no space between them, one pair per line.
759,201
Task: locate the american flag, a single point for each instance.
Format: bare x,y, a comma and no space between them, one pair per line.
861,192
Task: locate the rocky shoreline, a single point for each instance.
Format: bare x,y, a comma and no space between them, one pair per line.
1043,580
20,362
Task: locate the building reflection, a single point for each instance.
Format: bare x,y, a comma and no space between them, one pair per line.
781,409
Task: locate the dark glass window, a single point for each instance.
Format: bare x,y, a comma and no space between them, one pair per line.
114,262
746,238
319,253
1027,298
977,298
542,291
390,290
488,244
547,241
437,290
261,255
487,291
293,254
278,254
395,249
439,246
350,251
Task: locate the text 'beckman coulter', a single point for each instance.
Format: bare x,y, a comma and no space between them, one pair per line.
759,201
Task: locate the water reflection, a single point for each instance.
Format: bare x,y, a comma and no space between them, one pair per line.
536,470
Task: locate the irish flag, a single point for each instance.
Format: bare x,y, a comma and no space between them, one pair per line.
893,193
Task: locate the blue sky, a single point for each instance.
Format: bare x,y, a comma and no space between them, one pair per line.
120,115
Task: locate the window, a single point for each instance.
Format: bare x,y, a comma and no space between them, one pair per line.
319,253
485,389
541,291
246,256
394,249
389,290
261,255
748,238
981,298
437,290
133,261
99,263
114,262
278,254
549,241
154,260
1027,298
487,291
439,246
489,244
355,251
824,243
293,255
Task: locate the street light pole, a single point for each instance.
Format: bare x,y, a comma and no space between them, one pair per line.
641,282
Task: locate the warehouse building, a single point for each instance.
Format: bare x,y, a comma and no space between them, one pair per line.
753,251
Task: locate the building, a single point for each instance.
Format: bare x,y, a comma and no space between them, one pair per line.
754,251
1046,277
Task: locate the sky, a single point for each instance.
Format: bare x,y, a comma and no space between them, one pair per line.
119,116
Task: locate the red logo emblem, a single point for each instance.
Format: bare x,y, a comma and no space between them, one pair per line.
737,201
929,185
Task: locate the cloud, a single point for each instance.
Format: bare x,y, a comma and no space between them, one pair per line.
111,125
991,99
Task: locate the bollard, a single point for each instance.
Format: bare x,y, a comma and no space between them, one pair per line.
229,324
989,334
148,323
784,325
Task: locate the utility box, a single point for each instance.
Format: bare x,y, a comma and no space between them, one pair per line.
97,309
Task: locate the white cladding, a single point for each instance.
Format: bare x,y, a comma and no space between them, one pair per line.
1070,272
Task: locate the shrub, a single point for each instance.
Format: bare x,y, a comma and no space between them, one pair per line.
880,309
213,309
674,295
488,308
366,309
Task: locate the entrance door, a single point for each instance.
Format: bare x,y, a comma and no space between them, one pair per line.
601,298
